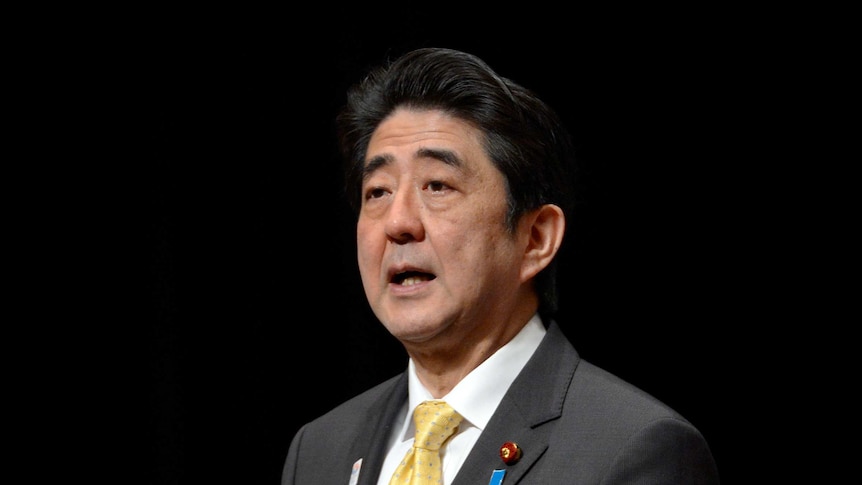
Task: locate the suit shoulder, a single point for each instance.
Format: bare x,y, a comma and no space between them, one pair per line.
596,386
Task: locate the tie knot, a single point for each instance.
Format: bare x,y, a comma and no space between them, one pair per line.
435,422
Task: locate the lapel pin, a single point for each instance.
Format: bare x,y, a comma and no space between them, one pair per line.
497,477
510,453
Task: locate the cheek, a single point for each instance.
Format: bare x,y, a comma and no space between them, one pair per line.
367,250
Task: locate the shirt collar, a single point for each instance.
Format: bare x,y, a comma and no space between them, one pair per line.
479,393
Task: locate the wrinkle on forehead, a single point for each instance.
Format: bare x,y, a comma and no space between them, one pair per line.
436,135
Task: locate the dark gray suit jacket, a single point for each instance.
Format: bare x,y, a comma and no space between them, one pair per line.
575,424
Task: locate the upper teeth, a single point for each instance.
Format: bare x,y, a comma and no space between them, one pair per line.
412,280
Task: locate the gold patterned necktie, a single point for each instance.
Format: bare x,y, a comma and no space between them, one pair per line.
435,422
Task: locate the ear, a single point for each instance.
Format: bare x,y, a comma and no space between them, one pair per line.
546,226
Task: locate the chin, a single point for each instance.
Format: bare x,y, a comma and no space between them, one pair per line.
412,330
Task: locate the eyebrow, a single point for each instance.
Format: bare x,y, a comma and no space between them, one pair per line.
446,156
372,164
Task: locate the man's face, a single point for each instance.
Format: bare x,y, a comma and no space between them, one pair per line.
433,249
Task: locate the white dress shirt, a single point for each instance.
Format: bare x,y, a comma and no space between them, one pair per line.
475,398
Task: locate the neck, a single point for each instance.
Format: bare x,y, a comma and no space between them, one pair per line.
441,367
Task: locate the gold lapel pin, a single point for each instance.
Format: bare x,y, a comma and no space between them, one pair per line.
510,453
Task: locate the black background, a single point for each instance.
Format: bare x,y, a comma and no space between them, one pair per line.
238,313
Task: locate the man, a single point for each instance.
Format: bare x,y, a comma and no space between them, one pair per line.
462,181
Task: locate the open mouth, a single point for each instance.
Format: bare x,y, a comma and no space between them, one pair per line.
410,278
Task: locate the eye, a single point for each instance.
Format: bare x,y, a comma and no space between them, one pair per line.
375,193
436,186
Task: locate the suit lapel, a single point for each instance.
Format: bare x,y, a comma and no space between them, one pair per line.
372,446
526,415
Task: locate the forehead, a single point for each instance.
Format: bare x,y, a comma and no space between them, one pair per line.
408,133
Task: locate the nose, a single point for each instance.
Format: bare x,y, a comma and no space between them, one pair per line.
404,221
